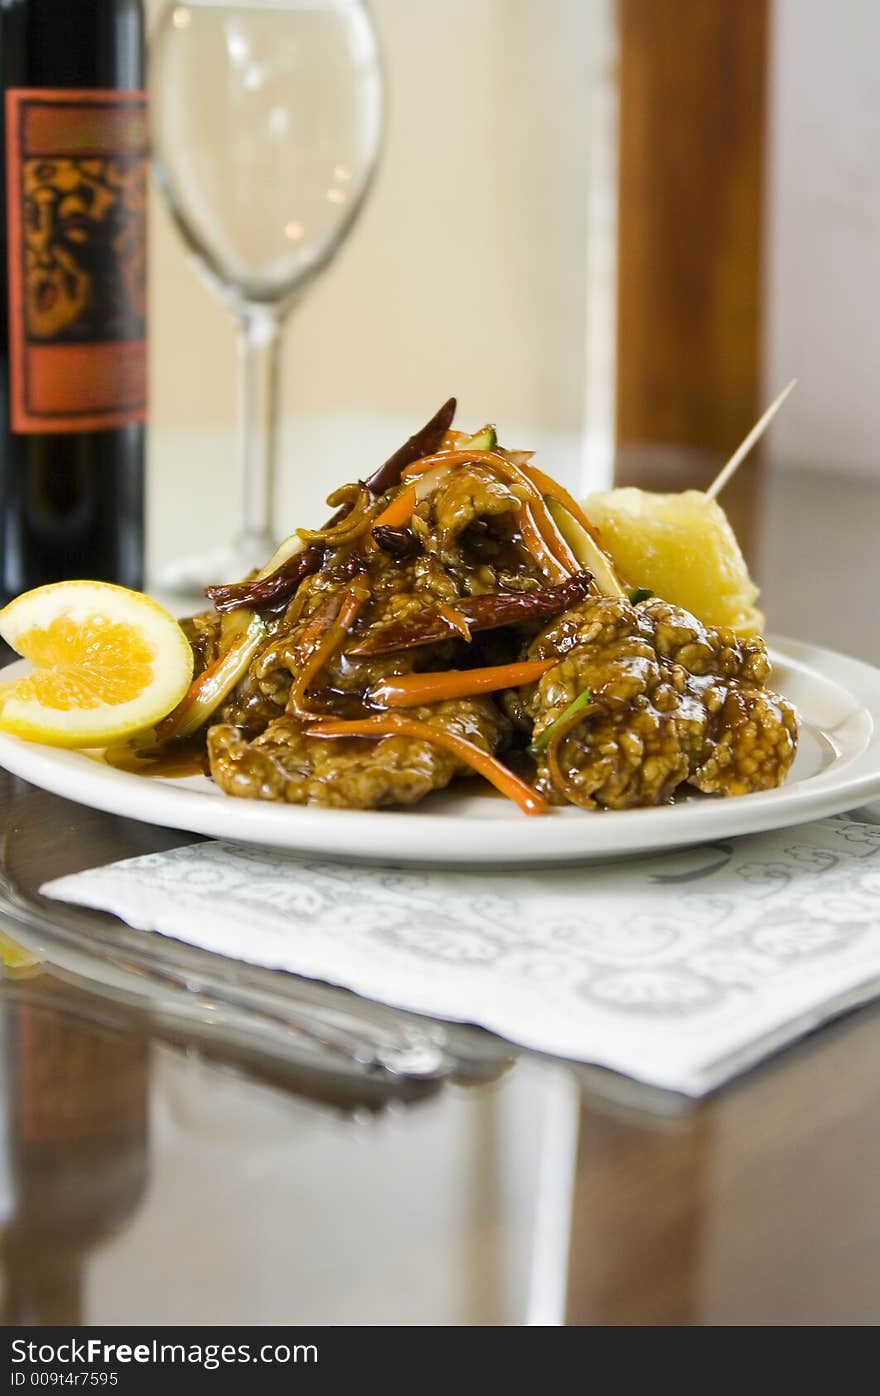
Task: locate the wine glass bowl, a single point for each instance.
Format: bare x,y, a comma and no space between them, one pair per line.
266,126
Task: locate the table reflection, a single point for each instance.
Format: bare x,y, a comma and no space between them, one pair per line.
141,1177
141,1181
73,1106
639,1217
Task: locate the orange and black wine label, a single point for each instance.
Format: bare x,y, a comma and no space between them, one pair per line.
76,170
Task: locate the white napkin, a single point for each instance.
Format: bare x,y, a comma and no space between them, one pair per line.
679,970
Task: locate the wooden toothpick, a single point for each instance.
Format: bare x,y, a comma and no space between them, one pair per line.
742,450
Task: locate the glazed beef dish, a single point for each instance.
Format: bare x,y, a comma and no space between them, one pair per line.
458,618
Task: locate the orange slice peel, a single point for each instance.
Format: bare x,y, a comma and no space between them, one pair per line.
106,663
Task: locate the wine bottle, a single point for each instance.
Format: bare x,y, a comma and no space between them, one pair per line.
72,292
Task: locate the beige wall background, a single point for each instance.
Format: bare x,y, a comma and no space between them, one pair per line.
466,274
823,232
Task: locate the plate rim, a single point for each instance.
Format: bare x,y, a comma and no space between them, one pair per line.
447,839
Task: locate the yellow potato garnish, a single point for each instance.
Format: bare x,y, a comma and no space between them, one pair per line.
682,547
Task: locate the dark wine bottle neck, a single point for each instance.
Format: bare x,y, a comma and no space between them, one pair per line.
71,420
72,43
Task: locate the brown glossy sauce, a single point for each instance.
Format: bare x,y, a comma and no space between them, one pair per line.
173,764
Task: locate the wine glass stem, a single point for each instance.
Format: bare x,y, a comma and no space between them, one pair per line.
259,343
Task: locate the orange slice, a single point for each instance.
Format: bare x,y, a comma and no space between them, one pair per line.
107,663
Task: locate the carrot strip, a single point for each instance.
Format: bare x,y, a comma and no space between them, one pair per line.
457,621
554,540
426,463
397,515
325,647
529,800
540,526
411,690
543,519
537,544
548,486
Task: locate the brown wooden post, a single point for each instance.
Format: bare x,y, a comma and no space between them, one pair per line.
692,146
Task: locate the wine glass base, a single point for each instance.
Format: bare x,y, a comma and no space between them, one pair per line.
188,576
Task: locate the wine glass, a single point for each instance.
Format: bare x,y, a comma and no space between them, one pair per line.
266,125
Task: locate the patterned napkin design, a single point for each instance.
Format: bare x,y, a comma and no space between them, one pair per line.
679,969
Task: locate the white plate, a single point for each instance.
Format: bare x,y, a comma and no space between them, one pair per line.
837,768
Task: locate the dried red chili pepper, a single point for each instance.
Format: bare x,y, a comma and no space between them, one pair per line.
430,626
279,586
424,443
